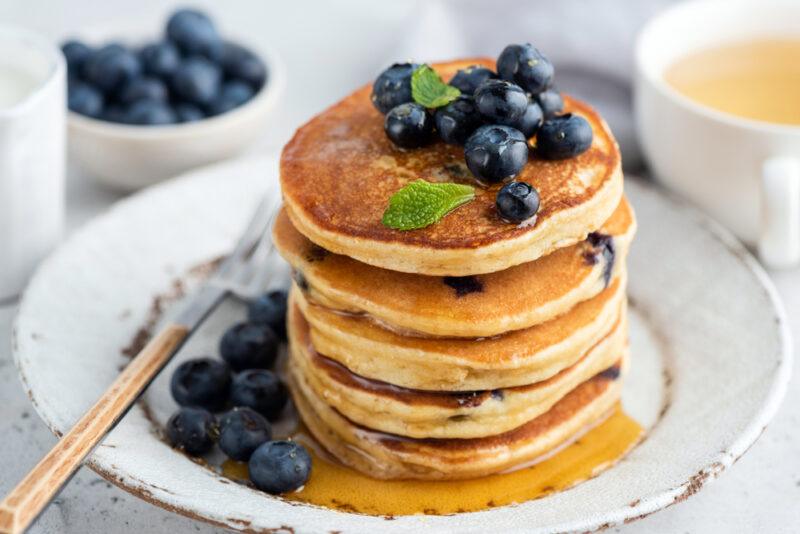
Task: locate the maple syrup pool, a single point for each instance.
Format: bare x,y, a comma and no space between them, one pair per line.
333,485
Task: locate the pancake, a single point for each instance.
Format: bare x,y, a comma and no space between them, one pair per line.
444,414
339,170
485,305
386,456
518,358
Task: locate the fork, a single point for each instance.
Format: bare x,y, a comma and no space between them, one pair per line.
243,273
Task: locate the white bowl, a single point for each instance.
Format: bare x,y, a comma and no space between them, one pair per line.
129,157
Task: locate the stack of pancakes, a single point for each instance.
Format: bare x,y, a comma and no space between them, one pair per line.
466,348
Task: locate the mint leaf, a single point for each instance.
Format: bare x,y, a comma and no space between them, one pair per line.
420,204
428,89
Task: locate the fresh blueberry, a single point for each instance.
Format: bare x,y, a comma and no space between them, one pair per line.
393,87
241,431
530,121
468,79
517,201
193,430
76,53
563,137
144,88
408,125
260,390
115,113
494,153
551,103
232,95
194,33
197,80
501,102
270,309
249,346
203,382
456,121
150,113
241,64
188,112
110,67
84,99
525,66
160,59
114,47
279,466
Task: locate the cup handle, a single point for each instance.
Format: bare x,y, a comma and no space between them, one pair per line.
779,242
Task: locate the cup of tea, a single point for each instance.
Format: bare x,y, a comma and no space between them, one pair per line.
717,105
32,132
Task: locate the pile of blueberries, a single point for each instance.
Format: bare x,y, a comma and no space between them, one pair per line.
247,395
189,75
494,117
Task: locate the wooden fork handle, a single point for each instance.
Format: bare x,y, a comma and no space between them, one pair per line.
26,501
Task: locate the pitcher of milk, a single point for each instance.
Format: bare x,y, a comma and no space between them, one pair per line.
32,132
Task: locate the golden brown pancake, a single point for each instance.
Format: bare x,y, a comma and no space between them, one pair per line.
339,170
476,306
386,456
513,359
444,414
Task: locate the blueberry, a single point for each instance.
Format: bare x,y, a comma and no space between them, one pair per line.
563,137
408,125
232,95
456,121
517,201
150,113
551,103
76,53
241,431
239,63
501,102
84,99
531,120
194,33
468,79
279,466
160,59
270,309
249,346
260,390
202,382
602,245
110,67
193,430
188,112
393,87
494,153
525,66
197,80
144,88
115,113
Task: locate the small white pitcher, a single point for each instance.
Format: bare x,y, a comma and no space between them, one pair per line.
32,132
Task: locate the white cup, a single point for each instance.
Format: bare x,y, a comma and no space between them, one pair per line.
746,173
32,131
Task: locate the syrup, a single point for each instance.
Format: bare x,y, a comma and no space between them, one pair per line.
335,486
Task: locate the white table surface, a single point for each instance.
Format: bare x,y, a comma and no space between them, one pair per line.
761,493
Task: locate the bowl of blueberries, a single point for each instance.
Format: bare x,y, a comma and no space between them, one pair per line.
143,110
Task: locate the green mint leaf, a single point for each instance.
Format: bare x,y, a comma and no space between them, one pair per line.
420,204
428,89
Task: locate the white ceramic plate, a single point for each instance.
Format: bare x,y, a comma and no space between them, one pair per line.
710,358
